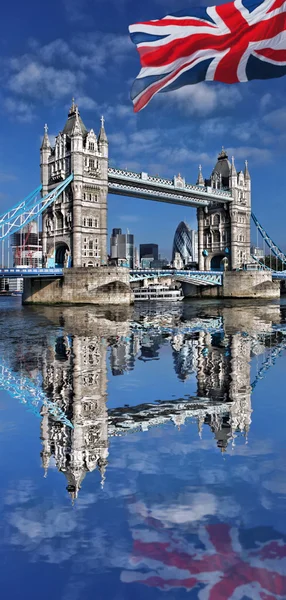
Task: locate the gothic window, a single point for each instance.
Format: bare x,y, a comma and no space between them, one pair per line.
91,146
90,197
216,219
95,222
60,221
216,237
84,222
84,196
90,245
91,163
85,240
89,222
90,264
85,162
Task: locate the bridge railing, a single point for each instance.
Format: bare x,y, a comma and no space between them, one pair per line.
176,183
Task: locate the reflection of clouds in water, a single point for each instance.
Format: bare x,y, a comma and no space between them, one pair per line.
189,507
276,485
20,493
38,525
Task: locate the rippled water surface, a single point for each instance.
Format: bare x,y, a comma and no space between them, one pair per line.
142,452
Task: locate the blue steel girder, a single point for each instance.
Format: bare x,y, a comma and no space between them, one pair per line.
30,393
195,277
142,185
30,272
31,210
12,212
273,247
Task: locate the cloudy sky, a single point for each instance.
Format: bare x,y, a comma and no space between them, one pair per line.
53,51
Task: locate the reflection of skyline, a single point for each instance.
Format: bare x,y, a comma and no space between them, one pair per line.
73,370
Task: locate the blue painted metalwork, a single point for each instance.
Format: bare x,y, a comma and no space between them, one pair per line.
195,277
29,393
269,362
31,210
5,217
275,249
30,272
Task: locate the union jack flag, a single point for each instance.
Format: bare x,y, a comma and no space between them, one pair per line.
231,43
213,562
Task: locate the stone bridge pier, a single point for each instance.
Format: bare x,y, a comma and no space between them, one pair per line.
102,286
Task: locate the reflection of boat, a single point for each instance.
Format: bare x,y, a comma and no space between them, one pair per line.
158,292
15,293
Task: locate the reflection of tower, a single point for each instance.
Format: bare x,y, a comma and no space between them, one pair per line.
123,353
224,376
76,380
185,354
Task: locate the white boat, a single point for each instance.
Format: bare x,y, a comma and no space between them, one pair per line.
158,293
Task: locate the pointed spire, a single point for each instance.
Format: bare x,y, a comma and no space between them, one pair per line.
46,142
200,180
102,138
76,130
232,168
246,172
72,108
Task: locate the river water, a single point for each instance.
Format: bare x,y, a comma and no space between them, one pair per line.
142,451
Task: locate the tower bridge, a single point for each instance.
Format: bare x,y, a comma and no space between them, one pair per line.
71,202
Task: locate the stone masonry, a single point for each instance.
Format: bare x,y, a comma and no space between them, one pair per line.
224,230
75,226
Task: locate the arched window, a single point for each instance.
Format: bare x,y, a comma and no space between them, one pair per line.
216,237
216,219
60,221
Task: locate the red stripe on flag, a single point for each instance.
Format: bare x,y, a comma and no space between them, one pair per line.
277,55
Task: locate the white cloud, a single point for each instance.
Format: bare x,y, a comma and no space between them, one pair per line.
86,103
19,110
255,155
35,79
202,98
276,119
265,101
7,177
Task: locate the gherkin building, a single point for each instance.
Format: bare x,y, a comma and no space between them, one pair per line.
183,243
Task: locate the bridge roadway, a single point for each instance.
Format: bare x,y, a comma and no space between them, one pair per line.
195,277
174,191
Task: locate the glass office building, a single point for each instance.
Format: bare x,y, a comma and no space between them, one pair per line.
185,244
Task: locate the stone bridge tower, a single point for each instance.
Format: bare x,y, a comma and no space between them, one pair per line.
75,226
224,229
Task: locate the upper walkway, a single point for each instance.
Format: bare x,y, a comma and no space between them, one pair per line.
174,191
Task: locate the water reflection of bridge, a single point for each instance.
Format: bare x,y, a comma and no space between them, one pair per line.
70,373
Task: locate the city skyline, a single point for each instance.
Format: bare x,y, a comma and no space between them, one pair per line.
178,132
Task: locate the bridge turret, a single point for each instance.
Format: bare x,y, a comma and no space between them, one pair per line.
233,174
200,180
102,140
45,155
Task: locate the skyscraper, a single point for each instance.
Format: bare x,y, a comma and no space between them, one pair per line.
185,243
122,247
149,251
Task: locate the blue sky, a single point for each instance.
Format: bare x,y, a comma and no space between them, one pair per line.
53,51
